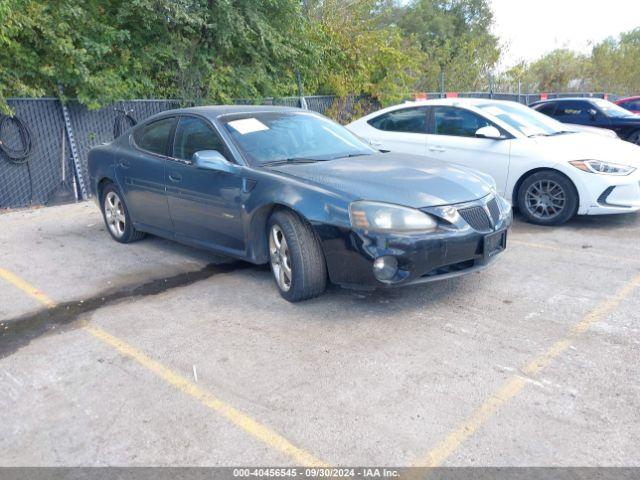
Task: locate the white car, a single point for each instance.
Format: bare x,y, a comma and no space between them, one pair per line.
549,171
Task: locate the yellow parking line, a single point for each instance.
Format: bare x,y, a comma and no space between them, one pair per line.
514,385
252,427
25,287
553,248
235,416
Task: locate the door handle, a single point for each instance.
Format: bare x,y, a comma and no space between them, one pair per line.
375,143
437,149
124,164
175,178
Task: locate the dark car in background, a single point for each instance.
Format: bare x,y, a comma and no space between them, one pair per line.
294,189
630,103
593,112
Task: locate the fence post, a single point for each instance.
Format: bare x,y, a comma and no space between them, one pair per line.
303,101
442,90
73,147
491,86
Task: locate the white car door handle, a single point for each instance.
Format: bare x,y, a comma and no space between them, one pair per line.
375,143
437,149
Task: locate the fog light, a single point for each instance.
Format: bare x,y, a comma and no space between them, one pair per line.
385,268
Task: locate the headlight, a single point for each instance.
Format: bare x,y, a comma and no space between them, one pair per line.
385,217
605,168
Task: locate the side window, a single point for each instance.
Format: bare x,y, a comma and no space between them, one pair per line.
633,105
193,135
408,120
569,112
154,137
546,108
457,122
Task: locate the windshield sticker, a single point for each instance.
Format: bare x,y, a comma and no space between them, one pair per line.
248,125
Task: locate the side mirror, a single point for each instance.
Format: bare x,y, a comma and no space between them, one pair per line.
593,113
489,132
212,160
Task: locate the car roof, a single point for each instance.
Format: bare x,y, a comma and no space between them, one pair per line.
214,111
626,99
567,99
452,101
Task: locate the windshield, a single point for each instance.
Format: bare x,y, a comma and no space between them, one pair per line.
268,137
611,109
524,119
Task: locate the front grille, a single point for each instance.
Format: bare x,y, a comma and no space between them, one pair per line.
476,217
494,210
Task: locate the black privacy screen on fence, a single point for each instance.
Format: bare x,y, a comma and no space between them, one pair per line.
48,174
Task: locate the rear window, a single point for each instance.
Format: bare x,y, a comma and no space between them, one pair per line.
407,120
154,137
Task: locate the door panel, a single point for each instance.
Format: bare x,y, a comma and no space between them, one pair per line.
452,139
205,205
141,175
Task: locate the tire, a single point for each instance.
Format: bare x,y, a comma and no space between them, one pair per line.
116,216
634,137
295,256
547,198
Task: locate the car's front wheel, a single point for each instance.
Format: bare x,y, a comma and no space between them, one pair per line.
547,198
116,216
296,258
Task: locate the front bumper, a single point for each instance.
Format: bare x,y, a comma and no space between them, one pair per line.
608,194
455,249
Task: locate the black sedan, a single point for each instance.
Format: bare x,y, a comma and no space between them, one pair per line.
593,112
294,189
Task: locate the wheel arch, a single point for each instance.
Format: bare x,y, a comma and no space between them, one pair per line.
632,133
102,183
524,176
258,229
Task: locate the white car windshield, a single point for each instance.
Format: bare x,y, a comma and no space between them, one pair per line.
524,119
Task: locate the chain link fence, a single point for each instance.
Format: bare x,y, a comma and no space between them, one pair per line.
60,143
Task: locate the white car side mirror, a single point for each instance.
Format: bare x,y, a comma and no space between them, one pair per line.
489,132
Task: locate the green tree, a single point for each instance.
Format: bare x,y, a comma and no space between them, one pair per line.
456,38
615,64
358,51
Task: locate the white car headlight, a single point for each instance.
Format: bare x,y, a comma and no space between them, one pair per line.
385,217
604,168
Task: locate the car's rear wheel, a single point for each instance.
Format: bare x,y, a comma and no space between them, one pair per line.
296,257
634,137
547,198
116,216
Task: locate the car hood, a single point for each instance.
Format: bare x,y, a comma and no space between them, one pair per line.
401,179
589,129
587,146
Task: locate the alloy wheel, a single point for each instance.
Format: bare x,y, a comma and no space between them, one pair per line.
280,258
545,199
114,214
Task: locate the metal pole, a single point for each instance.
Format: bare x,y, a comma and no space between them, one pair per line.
73,147
519,91
491,86
442,82
303,101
